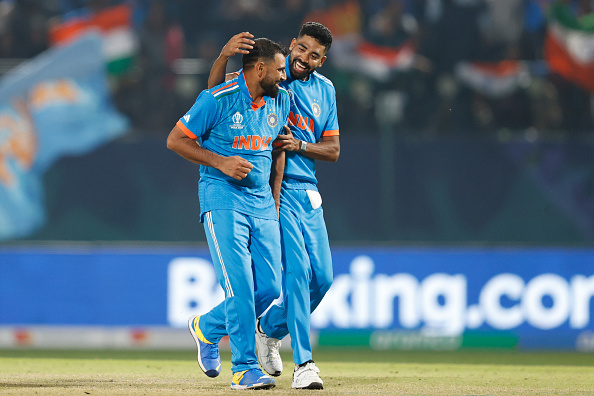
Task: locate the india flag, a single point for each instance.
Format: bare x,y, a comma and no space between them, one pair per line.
496,80
381,62
393,58
569,47
119,41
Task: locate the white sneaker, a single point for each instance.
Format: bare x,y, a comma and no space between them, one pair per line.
306,377
268,352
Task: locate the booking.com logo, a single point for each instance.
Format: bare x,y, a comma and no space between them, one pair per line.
438,304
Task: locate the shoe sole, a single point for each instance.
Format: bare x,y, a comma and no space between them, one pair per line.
253,386
313,385
209,373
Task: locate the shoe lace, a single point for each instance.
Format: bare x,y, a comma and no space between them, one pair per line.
273,348
212,351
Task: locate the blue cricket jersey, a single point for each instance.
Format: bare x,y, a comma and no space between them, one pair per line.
312,116
227,122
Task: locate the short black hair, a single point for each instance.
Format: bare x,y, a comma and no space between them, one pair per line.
318,31
264,50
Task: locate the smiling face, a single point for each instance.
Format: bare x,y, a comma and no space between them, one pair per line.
275,74
307,54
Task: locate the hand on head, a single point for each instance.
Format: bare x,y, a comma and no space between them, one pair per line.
241,43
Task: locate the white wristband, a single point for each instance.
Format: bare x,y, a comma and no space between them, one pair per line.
303,146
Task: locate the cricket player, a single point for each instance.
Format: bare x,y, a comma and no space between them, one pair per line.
229,131
307,262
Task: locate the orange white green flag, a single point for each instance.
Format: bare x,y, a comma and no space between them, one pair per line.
114,24
495,79
569,46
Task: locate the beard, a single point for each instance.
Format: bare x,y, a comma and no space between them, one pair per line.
298,75
270,87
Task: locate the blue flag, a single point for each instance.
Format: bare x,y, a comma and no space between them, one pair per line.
53,105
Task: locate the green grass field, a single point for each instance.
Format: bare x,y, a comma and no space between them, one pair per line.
345,372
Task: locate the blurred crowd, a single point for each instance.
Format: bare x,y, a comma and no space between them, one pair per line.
402,66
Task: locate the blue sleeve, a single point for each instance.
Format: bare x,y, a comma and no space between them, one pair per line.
202,117
331,127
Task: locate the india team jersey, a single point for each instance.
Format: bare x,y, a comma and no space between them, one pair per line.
227,122
312,116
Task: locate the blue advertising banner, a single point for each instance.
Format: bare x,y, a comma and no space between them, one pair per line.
543,298
53,105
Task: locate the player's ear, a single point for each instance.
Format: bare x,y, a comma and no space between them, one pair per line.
261,69
293,42
322,61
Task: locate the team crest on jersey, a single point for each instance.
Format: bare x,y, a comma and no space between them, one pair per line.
237,120
272,120
316,109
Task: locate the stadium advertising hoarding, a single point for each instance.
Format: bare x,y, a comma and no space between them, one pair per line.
405,298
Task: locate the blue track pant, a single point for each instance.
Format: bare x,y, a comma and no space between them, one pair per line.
246,254
307,272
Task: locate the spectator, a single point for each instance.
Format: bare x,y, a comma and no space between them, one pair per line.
439,35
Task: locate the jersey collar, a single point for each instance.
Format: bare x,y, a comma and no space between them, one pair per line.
245,91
